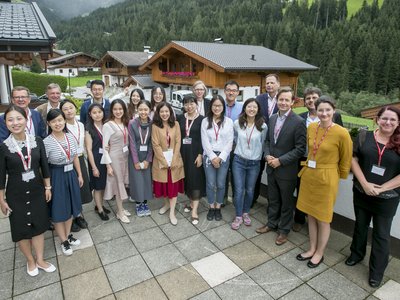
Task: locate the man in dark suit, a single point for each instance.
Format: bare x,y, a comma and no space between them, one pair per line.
284,145
268,108
311,95
97,90
35,125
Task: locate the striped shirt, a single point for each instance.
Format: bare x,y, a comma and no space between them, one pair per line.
55,155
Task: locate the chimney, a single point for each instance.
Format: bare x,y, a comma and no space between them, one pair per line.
253,57
146,49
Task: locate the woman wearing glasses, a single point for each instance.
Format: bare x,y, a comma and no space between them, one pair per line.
199,89
376,167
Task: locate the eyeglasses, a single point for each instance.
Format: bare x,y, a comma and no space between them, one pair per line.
231,91
98,90
198,90
20,97
389,119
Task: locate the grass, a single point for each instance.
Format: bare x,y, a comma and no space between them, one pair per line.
353,6
81,81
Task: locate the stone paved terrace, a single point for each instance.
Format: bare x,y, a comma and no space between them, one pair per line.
151,259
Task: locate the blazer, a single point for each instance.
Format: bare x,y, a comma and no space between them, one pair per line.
85,109
38,124
289,147
159,143
337,117
263,100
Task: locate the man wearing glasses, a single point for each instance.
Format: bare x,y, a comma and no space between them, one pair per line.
35,125
97,89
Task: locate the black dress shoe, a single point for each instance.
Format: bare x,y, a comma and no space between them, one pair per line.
302,258
81,222
311,265
75,227
351,262
374,283
103,216
107,211
218,215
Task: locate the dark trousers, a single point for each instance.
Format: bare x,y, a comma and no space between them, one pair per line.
229,179
258,182
299,216
379,258
280,203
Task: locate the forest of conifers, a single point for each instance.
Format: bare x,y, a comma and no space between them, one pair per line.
358,56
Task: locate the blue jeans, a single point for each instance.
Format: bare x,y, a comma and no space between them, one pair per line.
245,173
215,179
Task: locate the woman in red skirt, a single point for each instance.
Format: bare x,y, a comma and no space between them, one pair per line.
167,166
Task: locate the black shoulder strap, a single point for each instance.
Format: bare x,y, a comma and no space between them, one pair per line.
362,136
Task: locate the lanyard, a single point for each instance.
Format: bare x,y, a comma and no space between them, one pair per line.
216,132
26,163
168,139
77,138
99,133
123,132
271,109
143,141
248,138
380,151
187,127
67,151
315,146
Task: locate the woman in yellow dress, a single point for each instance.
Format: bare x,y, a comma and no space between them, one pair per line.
329,159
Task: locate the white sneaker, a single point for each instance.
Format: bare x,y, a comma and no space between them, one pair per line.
126,213
66,248
73,241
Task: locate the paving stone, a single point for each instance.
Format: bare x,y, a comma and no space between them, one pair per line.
49,252
107,231
346,252
24,283
149,239
127,272
196,247
246,255
393,269
6,260
266,242
79,262
182,283
372,298
116,249
299,268
6,283
207,267
160,219
94,220
109,297
148,289
297,238
261,216
303,292
89,285
4,225
249,231
48,234
205,225
228,213
241,287
224,237
138,224
328,282
49,292
155,204
275,279
338,241
207,295
164,259
6,241
357,274
182,230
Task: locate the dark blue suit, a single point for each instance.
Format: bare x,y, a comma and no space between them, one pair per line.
263,100
38,124
85,109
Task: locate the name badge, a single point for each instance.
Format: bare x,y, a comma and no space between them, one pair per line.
28,175
125,149
101,150
312,164
143,148
378,170
68,167
187,141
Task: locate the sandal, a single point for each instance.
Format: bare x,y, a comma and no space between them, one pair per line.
187,208
195,221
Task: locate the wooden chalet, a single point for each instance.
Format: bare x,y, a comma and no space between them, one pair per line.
181,63
71,64
23,31
119,66
370,113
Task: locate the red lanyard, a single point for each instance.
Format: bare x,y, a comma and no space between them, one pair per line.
187,127
26,163
249,138
79,133
123,132
216,132
315,146
168,139
67,151
380,151
99,134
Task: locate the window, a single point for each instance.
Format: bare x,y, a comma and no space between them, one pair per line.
61,71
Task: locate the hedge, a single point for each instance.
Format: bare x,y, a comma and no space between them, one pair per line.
37,83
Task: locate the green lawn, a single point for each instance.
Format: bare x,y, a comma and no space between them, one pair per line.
354,5
81,81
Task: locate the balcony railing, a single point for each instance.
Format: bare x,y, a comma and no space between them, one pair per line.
179,74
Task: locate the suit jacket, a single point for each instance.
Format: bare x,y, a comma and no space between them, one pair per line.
38,124
85,109
263,100
206,106
289,147
337,117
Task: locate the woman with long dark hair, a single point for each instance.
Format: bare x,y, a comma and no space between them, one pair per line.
135,97
157,96
217,140
376,168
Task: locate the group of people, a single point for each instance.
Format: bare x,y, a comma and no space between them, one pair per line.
143,149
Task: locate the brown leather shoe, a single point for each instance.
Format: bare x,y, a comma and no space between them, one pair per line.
281,239
264,229
297,227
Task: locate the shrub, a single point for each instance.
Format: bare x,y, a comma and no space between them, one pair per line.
37,83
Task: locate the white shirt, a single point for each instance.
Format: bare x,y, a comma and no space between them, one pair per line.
219,139
78,132
249,141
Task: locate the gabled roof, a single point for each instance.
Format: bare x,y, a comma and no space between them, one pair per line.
23,28
62,58
234,57
128,58
144,80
